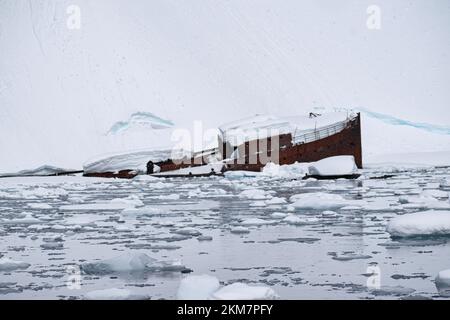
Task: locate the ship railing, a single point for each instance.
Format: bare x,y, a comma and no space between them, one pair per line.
320,133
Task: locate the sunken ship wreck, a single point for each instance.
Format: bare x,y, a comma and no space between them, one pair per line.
247,144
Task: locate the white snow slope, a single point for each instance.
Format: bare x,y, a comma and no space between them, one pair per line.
137,70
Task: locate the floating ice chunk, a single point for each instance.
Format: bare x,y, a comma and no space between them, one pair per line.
392,291
377,207
420,223
442,282
334,166
130,201
39,206
7,264
255,222
258,204
199,287
318,201
350,256
83,219
275,200
239,230
188,231
278,215
145,178
123,228
435,193
173,196
254,194
425,201
291,171
445,183
294,220
27,219
330,214
41,192
113,294
242,291
204,238
144,211
118,205
130,262
162,185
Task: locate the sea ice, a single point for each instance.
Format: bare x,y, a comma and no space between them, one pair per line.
278,215
197,287
333,166
255,222
113,294
27,219
442,282
242,291
239,230
420,223
318,201
295,220
143,211
130,262
7,264
39,206
254,194
130,201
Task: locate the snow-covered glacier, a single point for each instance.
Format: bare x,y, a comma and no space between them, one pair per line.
134,72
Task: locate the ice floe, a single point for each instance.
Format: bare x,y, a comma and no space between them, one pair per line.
318,201
442,282
7,264
334,166
26,219
39,206
130,262
296,220
239,230
197,287
143,211
114,294
420,223
242,291
206,287
255,194
255,222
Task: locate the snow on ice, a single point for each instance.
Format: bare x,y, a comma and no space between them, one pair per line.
206,287
340,165
199,287
130,262
113,294
318,201
7,264
242,291
442,282
420,224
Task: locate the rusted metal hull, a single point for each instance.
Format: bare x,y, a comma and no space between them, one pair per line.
123,174
345,142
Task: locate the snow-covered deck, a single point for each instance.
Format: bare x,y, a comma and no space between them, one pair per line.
302,128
